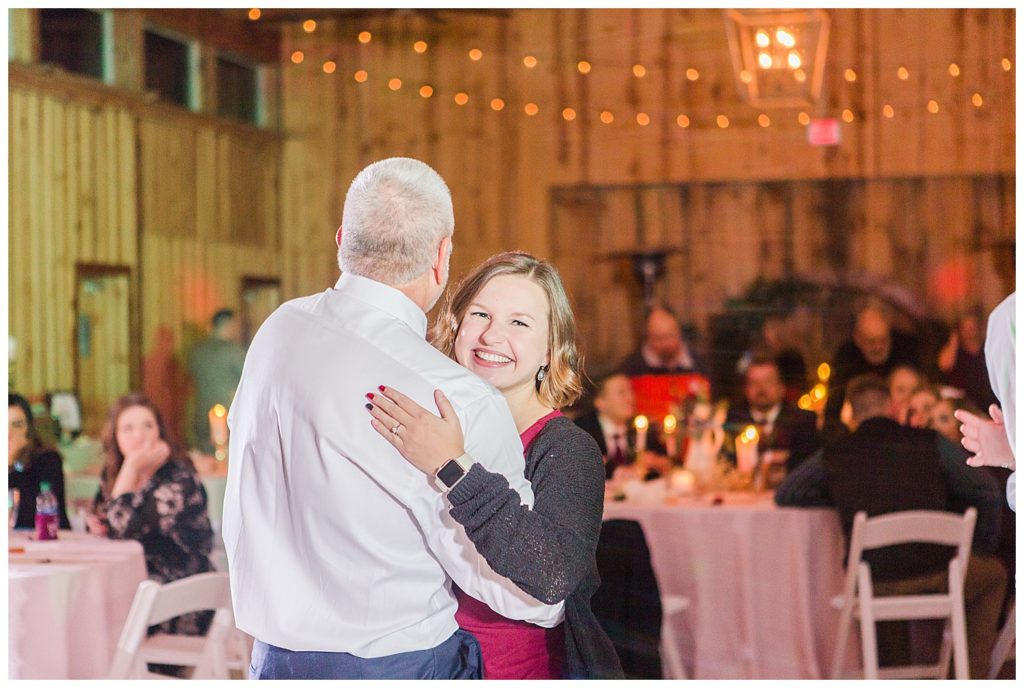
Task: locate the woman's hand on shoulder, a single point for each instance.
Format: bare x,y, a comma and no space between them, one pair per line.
425,440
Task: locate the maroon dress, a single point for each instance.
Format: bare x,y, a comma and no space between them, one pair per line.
514,649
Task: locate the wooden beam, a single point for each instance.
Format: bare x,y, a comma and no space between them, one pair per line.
221,30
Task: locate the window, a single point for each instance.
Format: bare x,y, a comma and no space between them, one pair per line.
168,68
72,39
237,91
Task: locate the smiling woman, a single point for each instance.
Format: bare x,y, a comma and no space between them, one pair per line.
510,322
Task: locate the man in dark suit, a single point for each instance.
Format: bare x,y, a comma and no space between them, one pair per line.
884,467
784,429
611,423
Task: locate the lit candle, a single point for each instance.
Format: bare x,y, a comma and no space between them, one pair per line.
219,431
668,427
640,424
746,449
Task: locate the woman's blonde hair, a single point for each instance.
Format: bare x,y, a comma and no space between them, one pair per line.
563,381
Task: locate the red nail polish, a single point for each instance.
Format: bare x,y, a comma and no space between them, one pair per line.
369,395
381,387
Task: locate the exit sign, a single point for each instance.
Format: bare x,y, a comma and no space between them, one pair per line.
823,132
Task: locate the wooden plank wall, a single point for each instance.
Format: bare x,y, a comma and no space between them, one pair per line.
503,166
189,205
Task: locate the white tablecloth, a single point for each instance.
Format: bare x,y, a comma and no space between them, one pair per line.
67,602
759,579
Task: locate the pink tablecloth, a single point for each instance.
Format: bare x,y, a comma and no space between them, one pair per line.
67,602
758,577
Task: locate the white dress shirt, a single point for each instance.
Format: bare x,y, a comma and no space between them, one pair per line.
615,436
1001,360
334,541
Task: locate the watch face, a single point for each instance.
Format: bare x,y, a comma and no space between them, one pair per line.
450,473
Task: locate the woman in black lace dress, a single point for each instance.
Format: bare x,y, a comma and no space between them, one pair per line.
149,491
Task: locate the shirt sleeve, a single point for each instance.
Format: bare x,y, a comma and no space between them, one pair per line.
972,487
548,550
805,485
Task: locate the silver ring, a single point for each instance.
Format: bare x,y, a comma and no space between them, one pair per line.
394,430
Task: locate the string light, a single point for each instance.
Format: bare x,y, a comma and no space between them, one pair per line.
824,372
426,90
800,75
607,117
476,54
298,57
530,61
764,120
309,26
977,100
933,107
643,119
395,84
850,75
461,98
762,39
639,71
793,60
746,77
1007,65
420,46
254,14
531,109
888,111
568,114
497,104
365,36
954,69
785,38
329,67
847,116
683,121
722,121
803,118
692,74
583,66
764,60
361,76
902,73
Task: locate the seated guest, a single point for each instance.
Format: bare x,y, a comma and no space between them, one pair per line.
873,348
30,463
663,351
920,405
962,360
149,491
784,429
611,423
776,340
903,380
883,467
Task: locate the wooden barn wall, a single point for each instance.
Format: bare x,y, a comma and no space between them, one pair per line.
921,190
189,205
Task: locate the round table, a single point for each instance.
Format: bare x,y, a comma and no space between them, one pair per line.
759,579
67,603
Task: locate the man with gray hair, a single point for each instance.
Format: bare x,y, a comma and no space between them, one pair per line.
341,561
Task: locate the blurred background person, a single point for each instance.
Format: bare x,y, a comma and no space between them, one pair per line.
786,434
872,348
663,349
216,367
961,361
30,463
776,340
903,380
610,423
149,492
920,405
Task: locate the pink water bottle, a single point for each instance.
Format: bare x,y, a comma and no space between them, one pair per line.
47,519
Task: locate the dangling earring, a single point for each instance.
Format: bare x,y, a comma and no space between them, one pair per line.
541,373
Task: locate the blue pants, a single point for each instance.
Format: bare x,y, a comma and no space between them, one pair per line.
456,658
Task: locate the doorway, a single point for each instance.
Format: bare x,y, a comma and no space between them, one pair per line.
104,366
260,296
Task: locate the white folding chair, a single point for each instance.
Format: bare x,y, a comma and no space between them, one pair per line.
858,600
155,603
1005,646
671,606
